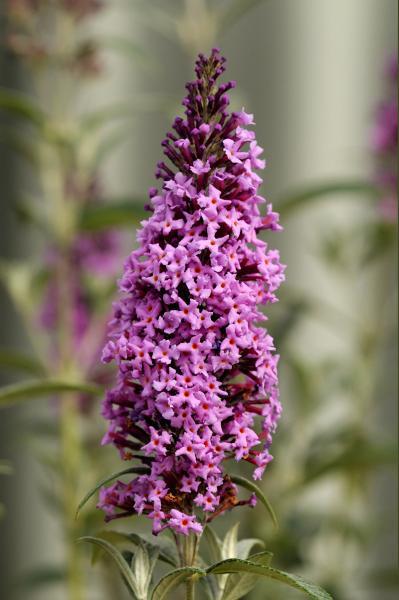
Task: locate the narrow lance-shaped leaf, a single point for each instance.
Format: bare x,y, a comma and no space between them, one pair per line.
122,45
234,11
100,484
27,390
143,566
91,122
119,213
173,579
111,536
23,147
321,191
107,146
164,546
252,487
213,544
245,546
20,362
6,468
229,550
42,576
229,545
239,584
21,106
234,565
357,456
117,556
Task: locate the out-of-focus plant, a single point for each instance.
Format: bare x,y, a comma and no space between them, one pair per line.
194,24
385,144
5,469
63,293
336,456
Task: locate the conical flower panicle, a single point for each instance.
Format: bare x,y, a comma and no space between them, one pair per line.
195,371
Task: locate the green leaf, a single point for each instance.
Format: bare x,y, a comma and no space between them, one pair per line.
234,565
173,579
234,12
42,576
41,428
252,487
100,484
229,545
245,546
122,45
17,276
22,146
21,106
380,237
6,467
294,311
119,213
387,577
117,556
143,567
26,390
164,546
107,146
320,191
239,584
213,544
357,456
91,122
20,362
209,585
111,536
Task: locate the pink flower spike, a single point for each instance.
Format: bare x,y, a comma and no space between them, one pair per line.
197,374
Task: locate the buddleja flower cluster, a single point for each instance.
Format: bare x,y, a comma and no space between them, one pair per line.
195,370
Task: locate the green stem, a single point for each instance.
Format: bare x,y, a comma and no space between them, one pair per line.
188,547
190,589
70,443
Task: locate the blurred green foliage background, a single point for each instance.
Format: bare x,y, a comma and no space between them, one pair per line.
312,72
